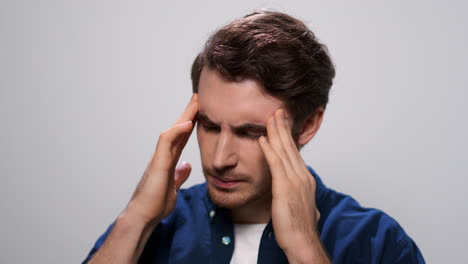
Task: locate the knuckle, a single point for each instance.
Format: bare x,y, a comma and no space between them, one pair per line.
294,185
275,159
290,144
283,154
163,136
167,135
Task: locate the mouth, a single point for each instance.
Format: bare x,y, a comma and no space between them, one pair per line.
225,183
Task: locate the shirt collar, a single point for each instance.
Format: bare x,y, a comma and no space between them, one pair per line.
320,187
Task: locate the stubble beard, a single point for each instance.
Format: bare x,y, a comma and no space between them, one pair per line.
245,194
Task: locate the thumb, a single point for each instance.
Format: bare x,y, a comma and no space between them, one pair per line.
181,174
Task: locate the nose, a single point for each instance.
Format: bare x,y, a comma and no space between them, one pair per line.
225,156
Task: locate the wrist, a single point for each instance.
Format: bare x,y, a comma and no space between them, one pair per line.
126,240
131,216
137,212
306,249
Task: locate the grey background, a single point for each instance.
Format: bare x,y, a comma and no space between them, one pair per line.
87,86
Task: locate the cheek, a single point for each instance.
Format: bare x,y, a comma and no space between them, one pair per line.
252,155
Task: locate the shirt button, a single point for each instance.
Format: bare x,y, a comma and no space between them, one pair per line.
269,234
226,240
212,213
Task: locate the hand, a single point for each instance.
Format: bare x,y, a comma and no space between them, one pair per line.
156,193
294,212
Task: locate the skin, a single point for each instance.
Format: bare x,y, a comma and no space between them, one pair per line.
230,153
293,189
275,182
244,135
155,195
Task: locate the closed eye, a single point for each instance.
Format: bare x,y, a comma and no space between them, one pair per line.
209,127
250,135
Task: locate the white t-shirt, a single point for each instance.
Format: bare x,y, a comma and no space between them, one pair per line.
247,243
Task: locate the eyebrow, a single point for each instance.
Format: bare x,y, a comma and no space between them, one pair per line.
244,127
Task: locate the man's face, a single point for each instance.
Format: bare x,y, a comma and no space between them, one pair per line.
232,116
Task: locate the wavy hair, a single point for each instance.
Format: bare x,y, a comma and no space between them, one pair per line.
279,52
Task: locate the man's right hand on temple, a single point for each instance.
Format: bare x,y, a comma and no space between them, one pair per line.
156,193
155,196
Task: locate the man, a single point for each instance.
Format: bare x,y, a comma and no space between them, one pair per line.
260,88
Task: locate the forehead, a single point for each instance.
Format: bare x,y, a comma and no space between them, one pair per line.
234,102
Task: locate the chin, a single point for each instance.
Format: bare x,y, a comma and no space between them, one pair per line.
248,192
236,198
229,199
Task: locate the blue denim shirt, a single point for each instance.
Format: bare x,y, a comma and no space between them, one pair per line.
199,232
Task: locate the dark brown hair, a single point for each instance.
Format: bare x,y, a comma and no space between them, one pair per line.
280,53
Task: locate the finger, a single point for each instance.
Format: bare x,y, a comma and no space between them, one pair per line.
184,139
287,141
182,173
178,144
277,169
176,132
274,140
190,111
189,114
170,145
273,137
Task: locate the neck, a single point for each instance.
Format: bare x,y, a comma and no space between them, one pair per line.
255,212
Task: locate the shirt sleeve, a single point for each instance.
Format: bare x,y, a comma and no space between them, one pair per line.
98,244
405,251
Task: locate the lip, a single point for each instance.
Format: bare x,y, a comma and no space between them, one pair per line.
225,183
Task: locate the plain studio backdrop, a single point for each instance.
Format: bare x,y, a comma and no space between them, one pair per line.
87,86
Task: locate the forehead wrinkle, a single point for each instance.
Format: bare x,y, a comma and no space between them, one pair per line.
254,112
243,126
234,103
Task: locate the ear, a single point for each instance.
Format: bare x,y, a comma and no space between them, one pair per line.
310,127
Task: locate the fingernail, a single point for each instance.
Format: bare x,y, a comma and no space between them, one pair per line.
184,165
